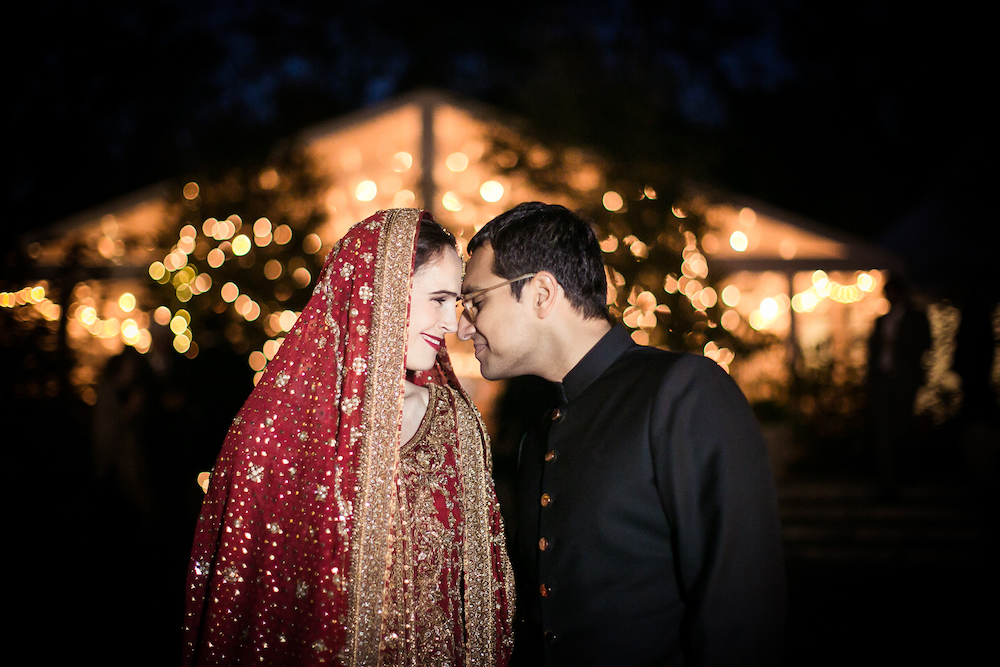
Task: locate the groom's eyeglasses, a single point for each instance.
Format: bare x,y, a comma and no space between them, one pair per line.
471,310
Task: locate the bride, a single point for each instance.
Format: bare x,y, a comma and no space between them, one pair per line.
351,517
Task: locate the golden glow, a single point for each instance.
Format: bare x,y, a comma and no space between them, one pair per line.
730,320
365,191
257,360
720,355
241,245
748,217
451,202
178,325
162,316
175,260
216,258
708,297
695,265
649,192
287,320
271,347
787,249
282,234
186,244
202,283
865,282
769,308
262,227
182,344
191,191
269,178
87,316
402,161
273,269
301,276
612,201
230,292
130,332
610,244
731,296
126,302
457,161
312,244
404,199
491,191
805,302
641,314
639,249
738,241
223,229
670,285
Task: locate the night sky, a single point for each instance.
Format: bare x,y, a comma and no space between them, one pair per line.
851,113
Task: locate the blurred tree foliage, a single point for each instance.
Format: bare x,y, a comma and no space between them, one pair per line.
272,209
660,283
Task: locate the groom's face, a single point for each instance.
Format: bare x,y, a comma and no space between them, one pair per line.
501,330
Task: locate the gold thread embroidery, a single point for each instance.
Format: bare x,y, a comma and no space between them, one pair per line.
379,443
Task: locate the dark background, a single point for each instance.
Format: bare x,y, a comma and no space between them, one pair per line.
848,112
871,117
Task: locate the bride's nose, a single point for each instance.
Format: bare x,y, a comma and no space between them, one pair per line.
465,327
449,322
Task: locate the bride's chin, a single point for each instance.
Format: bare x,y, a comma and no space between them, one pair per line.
421,366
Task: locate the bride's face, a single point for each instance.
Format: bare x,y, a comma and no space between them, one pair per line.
437,285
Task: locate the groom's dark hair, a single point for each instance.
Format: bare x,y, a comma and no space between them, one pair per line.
534,237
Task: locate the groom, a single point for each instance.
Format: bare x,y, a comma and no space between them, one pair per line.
647,522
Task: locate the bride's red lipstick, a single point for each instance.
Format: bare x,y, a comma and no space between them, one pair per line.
433,341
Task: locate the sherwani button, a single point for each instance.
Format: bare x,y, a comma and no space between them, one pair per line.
543,544
543,590
556,414
550,455
546,499
549,636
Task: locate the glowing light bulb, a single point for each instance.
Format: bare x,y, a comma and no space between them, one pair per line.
402,161
457,161
451,201
769,308
366,191
612,201
491,191
731,296
241,245
126,302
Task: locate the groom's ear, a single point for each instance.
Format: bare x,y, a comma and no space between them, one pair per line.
546,293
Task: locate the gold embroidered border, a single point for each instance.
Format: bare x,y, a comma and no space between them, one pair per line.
480,600
382,423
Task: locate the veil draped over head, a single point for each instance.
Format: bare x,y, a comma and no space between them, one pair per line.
289,563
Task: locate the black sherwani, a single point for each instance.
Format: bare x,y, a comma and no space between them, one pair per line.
647,519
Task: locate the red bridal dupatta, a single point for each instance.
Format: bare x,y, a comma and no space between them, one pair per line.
292,552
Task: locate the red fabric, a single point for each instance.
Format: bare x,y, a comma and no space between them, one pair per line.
269,576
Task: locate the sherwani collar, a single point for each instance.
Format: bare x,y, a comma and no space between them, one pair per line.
600,357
